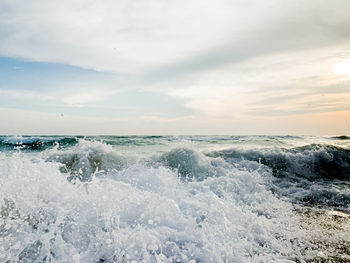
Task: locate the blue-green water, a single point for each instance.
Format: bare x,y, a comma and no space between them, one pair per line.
174,199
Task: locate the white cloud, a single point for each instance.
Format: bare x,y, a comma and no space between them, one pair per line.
110,35
25,94
281,83
87,96
77,100
134,36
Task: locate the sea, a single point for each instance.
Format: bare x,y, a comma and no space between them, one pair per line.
174,199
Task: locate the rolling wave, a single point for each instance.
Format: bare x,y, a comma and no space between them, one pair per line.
312,161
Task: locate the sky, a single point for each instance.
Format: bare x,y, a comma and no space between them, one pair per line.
132,67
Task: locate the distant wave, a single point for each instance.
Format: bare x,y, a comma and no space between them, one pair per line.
341,137
34,143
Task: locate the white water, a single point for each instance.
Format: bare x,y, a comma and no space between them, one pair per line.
133,208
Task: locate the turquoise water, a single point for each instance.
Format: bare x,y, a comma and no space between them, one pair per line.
174,199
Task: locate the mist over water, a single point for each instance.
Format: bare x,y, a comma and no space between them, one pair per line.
174,199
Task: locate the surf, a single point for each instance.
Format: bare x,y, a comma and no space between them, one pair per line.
174,199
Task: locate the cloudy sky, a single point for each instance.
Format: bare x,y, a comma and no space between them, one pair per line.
175,67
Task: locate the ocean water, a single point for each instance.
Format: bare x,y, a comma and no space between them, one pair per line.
175,199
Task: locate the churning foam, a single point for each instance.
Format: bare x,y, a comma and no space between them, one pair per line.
177,206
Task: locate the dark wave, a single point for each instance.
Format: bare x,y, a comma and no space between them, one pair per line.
313,175
312,162
35,143
341,137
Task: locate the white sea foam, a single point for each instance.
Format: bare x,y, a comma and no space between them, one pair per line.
178,206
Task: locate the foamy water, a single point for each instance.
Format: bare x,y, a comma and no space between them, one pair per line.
174,199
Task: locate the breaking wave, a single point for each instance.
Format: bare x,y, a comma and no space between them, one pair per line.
313,174
173,200
310,162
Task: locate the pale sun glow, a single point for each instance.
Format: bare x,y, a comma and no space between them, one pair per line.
342,68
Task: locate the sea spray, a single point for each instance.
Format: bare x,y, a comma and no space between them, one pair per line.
168,199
